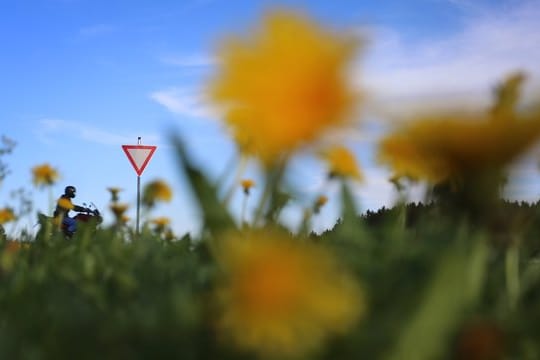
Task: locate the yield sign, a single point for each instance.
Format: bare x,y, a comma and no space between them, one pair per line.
139,156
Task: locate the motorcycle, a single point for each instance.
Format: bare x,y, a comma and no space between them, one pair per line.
91,216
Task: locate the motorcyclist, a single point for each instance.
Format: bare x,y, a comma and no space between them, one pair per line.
63,207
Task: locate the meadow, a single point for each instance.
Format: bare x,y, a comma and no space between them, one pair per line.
456,276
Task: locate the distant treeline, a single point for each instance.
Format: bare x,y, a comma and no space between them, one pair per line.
507,221
416,211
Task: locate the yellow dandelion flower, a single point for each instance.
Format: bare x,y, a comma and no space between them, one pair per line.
342,162
44,175
278,91
114,193
321,200
408,159
124,219
157,190
161,224
118,210
7,215
439,148
282,297
319,203
247,184
443,148
161,221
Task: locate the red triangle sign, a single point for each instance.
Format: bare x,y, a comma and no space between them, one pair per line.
139,156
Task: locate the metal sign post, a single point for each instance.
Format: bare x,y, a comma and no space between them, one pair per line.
139,156
138,195
138,203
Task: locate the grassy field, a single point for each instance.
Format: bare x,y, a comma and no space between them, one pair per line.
415,281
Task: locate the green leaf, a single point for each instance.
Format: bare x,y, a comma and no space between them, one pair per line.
453,289
215,215
511,267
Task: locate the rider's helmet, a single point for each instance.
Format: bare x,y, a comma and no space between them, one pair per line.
70,191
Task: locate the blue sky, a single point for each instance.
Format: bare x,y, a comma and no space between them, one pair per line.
80,78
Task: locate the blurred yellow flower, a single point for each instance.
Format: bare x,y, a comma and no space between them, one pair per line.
161,224
284,84
443,147
247,184
342,162
319,203
114,193
6,215
280,297
44,175
321,200
118,210
161,221
157,190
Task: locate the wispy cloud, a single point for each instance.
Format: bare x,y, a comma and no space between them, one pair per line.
462,66
54,130
188,102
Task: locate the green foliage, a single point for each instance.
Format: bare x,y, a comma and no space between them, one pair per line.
99,297
215,216
436,286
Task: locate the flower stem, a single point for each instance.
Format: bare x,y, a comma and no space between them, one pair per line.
511,263
272,180
239,171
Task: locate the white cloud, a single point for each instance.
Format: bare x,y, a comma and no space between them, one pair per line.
462,67
187,102
57,127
